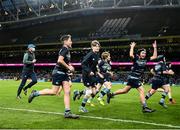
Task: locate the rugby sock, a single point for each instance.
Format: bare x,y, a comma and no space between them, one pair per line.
36,93
164,94
67,110
93,95
144,104
148,95
84,102
103,92
170,99
82,92
113,94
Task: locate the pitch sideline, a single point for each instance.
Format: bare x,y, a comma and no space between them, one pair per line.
92,117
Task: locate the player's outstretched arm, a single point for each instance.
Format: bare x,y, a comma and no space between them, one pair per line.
131,53
155,51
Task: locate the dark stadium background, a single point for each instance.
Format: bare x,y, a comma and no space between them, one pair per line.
115,23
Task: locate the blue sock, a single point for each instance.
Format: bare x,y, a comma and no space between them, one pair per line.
36,93
164,94
67,110
144,104
84,102
104,92
148,95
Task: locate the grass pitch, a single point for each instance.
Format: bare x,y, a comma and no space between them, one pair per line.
124,112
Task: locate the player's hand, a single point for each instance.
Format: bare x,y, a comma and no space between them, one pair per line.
154,44
34,61
111,73
71,68
133,44
171,72
100,75
91,73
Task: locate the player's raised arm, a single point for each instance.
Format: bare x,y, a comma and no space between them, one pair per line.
155,51
131,53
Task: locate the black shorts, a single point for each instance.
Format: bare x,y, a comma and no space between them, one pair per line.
107,78
57,79
134,83
166,81
157,83
89,81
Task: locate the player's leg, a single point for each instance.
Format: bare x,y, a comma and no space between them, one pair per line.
53,91
164,94
150,93
61,88
95,92
59,91
67,89
22,84
160,90
98,87
171,100
90,99
56,83
156,84
143,101
87,95
120,91
33,82
78,93
104,91
93,82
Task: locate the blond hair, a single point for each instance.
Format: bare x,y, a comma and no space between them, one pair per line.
105,55
95,43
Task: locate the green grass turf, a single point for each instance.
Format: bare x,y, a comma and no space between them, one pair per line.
126,107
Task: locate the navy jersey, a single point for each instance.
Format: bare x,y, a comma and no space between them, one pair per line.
104,66
158,70
168,76
27,61
90,62
139,66
67,57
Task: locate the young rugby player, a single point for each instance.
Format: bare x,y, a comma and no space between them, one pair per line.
104,76
60,77
89,71
134,78
160,80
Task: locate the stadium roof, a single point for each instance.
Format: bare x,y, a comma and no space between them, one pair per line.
16,10
108,20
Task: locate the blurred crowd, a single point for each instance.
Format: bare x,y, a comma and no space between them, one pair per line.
117,54
44,75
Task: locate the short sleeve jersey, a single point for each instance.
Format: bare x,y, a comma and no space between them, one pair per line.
67,57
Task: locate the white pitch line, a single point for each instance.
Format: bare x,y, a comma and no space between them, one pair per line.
92,117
